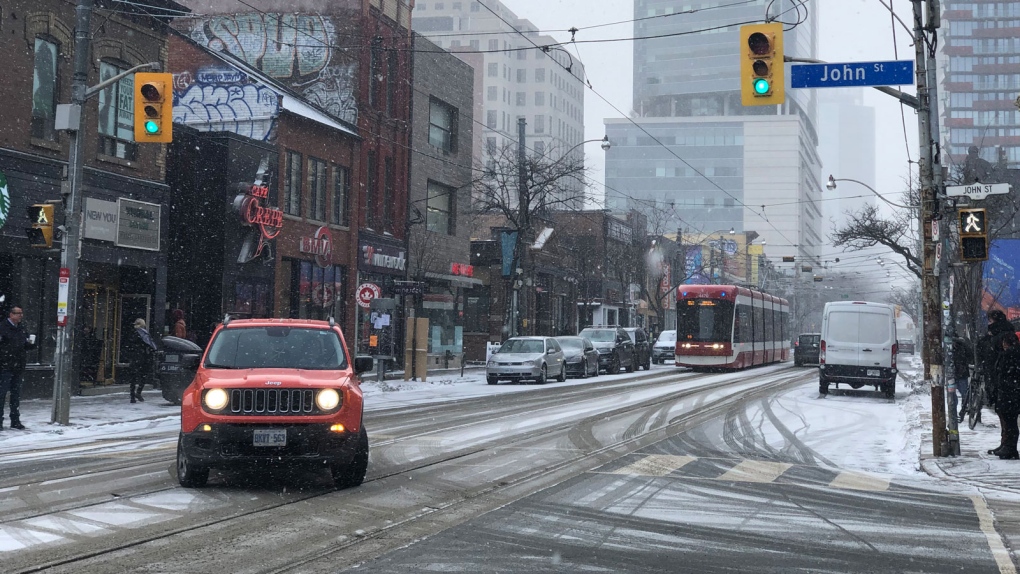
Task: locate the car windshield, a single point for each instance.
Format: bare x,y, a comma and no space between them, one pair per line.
276,348
600,335
667,337
522,346
571,343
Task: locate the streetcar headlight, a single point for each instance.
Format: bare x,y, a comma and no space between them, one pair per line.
216,399
717,346
327,399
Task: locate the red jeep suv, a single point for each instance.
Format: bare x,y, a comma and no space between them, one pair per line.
274,391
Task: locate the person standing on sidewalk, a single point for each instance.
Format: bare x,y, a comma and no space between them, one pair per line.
140,354
962,358
990,353
1007,405
14,341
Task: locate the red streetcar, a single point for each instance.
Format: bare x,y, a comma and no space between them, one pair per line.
730,327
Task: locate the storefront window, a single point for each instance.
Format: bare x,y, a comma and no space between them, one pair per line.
446,330
252,299
316,292
476,311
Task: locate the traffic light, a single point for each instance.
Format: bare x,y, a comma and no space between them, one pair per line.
973,235
41,232
154,107
762,75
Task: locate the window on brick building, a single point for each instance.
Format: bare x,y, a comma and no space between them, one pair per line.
372,216
317,173
389,191
44,90
292,184
439,217
442,125
340,214
392,71
116,114
374,70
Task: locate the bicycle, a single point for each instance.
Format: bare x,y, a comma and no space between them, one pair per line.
977,398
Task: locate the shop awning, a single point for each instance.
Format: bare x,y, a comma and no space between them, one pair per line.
458,280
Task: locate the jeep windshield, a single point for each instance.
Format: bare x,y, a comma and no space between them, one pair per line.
276,348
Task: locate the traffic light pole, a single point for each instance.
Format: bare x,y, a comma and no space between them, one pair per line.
70,243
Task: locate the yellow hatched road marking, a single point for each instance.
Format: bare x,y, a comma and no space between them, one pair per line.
857,481
656,465
755,471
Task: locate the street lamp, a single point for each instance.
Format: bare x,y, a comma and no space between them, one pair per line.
831,185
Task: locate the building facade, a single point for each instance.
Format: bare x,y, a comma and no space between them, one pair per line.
122,272
514,79
692,156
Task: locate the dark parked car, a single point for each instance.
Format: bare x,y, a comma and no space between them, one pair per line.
580,355
806,349
664,348
614,346
905,346
642,346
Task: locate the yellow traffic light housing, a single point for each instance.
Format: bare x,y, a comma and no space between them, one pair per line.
973,235
154,107
40,215
762,73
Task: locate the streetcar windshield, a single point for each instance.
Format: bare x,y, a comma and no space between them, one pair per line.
704,320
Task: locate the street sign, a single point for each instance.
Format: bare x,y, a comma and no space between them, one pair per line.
977,190
63,287
408,288
891,73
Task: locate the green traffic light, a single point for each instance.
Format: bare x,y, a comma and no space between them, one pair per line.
151,127
761,86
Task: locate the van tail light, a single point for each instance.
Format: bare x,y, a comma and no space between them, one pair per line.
895,349
821,353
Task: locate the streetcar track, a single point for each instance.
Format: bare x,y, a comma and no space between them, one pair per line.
671,427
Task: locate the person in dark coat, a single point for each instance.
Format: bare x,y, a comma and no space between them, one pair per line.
962,358
139,351
14,341
1008,404
990,352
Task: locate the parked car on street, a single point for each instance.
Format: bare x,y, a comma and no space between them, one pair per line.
806,349
616,350
642,346
274,392
664,348
580,355
531,358
905,346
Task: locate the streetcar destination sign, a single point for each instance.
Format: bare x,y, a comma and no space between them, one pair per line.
977,190
891,73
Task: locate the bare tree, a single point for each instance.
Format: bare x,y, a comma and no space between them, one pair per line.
867,227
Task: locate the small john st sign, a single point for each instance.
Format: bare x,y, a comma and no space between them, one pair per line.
977,190
891,73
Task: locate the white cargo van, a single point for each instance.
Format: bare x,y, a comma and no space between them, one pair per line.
858,346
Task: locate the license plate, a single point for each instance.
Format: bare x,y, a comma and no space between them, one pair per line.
270,437
874,373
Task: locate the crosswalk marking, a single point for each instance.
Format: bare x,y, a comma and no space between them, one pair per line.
656,465
755,471
857,481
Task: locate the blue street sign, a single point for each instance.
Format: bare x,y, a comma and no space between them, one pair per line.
893,73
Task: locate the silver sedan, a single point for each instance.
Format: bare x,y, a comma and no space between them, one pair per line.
531,358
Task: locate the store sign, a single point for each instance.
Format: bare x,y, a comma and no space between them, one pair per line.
253,209
138,224
382,258
366,292
101,219
462,269
5,200
321,246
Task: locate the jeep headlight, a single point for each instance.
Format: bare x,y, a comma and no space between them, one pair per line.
327,399
216,399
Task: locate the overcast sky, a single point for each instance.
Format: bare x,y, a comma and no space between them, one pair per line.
849,31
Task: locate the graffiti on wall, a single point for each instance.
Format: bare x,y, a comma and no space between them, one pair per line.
299,50
220,98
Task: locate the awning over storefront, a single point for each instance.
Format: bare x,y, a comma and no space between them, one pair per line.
457,280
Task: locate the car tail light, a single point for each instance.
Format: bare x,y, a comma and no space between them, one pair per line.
895,349
796,344
821,353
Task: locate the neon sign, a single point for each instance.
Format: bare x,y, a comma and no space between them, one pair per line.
268,221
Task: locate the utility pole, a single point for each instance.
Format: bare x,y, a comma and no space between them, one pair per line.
523,233
931,350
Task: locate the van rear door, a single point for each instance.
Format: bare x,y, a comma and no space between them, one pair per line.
842,332
877,336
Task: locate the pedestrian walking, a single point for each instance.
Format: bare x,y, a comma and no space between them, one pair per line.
140,354
1007,405
178,328
990,352
14,342
962,359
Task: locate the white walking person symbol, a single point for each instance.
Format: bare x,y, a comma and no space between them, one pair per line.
973,224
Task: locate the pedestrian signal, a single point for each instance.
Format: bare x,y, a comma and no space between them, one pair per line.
762,74
154,105
40,216
973,235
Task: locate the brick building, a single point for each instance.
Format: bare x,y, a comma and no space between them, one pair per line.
121,278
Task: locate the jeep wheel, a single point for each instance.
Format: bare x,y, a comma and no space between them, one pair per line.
351,474
188,474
